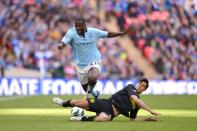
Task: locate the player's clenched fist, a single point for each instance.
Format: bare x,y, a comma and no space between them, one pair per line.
60,46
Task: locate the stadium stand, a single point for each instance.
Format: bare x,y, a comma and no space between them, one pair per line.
31,30
167,33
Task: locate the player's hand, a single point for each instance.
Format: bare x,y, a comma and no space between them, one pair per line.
130,29
60,46
151,119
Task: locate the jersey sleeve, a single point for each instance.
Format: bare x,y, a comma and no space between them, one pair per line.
131,90
67,37
100,33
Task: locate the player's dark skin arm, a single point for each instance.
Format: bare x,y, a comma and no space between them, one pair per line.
115,34
60,46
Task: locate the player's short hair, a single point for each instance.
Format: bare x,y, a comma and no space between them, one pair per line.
80,19
144,80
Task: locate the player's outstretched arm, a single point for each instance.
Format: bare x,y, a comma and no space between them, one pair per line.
128,30
60,46
141,104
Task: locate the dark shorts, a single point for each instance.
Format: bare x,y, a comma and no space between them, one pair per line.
101,105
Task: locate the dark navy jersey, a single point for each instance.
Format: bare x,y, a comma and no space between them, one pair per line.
124,103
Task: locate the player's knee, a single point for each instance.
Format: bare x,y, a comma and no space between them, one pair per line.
102,117
93,75
74,102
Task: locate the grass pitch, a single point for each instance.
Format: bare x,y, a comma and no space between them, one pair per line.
37,113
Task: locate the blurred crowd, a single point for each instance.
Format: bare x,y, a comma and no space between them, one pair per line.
31,29
166,35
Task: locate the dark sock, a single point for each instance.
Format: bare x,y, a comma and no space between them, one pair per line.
85,87
67,104
85,118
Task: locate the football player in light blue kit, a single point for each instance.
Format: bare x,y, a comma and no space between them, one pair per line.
83,42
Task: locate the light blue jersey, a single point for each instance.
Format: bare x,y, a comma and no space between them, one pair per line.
84,48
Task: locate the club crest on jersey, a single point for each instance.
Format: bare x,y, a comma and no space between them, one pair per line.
92,100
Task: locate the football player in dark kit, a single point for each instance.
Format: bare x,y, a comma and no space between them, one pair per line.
126,102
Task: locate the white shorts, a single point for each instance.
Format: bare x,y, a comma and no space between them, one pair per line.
82,72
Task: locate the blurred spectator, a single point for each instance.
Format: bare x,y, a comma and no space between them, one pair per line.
1,68
167,34
31,30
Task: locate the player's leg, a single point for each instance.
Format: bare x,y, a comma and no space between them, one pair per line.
82,103
88,81
100,106
86,88
102,117
83,77
88,77
93,74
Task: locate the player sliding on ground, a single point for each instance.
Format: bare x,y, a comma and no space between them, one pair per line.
83,42
126,102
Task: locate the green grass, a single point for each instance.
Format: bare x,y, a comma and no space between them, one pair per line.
37,113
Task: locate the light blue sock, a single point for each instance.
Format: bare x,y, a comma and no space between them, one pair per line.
94,93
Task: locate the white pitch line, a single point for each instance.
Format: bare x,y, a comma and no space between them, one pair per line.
62,112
